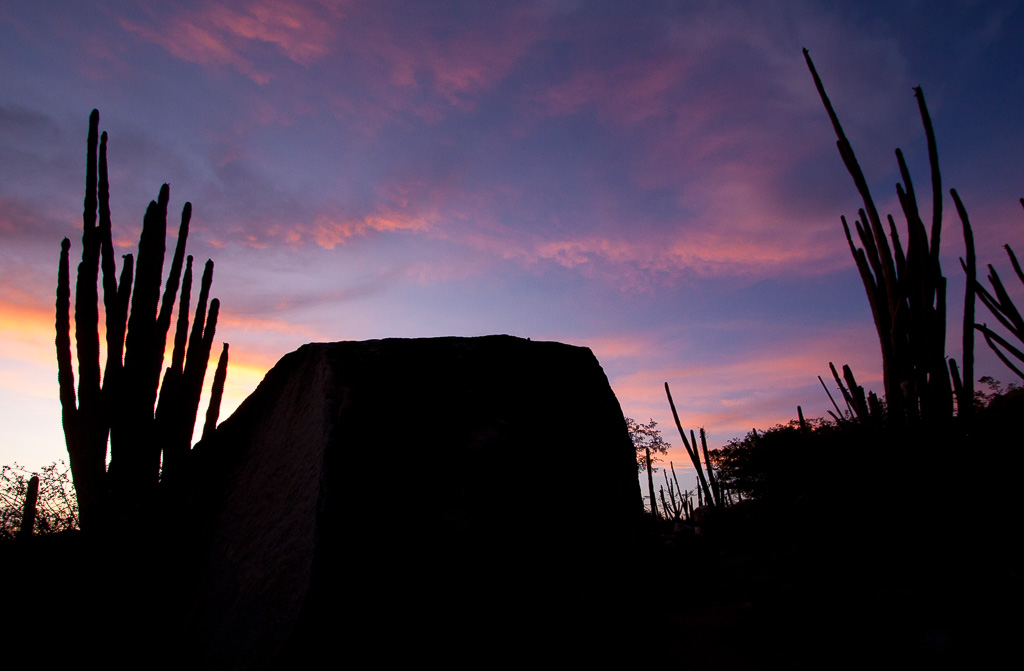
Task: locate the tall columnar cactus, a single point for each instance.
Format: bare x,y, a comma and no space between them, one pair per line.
123,404
710,493
28,511
650,484
905,288
712,480
964,387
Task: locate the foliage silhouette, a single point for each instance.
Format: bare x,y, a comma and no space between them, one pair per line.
56,506
648,443
646,437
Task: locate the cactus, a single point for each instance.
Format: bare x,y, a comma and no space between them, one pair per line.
217,393
1001,306
677,498
695,457
650,485
838,414
123,404
906,289
964,388
28,513
712,480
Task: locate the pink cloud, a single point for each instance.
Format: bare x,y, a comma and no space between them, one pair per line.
218,34
734,239
328,232
299,31
427,60
730,394
394,52
663,257
624,95
615,347
235,322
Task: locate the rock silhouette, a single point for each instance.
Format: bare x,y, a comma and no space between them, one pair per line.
415,493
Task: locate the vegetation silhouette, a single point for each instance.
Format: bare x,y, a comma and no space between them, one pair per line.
148,437
54,508
711,493
882,533
906,288
885,531
648,443
680,501
1002,308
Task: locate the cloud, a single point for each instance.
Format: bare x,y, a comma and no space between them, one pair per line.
729,393
328,233
216,34
25,319
448,51
621,347
383,59
668,137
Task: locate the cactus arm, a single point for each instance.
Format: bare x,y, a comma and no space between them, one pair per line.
1006,306
897,248
181,328
823,386
195,339
138,462
992,338
712,480
65,368
163,320
217,393
965,389
842,388
141,342
87,338
933,164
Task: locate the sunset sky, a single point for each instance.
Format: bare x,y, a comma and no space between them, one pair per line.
657,181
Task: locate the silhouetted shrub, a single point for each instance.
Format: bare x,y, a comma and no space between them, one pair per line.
56,506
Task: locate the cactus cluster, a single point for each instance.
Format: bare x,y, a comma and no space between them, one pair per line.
680,501
708,493
858,405
906,289
148,436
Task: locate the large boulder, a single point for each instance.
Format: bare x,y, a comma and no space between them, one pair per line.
440,497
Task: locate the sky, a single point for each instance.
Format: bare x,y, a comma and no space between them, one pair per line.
657,181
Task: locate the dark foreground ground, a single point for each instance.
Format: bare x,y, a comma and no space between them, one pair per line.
755,590
760,590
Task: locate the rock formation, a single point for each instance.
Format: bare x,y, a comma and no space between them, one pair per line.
441,497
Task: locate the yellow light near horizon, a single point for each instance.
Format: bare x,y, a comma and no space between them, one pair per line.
31,415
